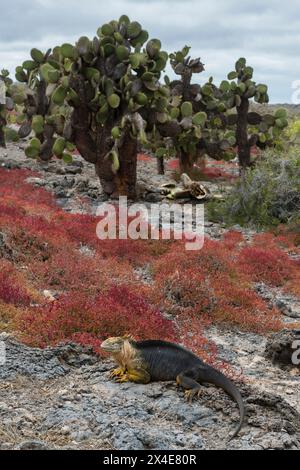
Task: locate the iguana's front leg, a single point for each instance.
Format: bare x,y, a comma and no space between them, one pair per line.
119,372
140,376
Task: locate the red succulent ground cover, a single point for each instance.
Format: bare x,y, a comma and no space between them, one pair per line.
216,170
98,291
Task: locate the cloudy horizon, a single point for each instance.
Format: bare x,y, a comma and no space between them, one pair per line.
219,32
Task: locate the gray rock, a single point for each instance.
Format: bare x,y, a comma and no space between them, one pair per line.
279,348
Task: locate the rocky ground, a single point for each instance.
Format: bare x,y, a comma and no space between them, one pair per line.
62,397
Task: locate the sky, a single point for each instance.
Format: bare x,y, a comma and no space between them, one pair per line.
265,32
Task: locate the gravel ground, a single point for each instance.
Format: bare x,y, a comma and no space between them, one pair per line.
63,398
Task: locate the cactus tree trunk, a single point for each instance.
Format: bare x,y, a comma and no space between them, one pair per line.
161,165
123,183
186,162
2,139
244,148
2,124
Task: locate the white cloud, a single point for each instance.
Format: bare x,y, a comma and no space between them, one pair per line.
266,33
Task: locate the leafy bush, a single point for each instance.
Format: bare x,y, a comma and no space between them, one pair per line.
267,195
292,133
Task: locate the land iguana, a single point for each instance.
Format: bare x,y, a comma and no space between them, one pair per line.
160,361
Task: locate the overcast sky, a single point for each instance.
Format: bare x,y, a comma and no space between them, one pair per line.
266,32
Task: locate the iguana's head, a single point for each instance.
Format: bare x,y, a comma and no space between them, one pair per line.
115,345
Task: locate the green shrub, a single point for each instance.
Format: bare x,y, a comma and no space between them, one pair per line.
268,194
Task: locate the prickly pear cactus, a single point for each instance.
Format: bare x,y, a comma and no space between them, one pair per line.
198,112
101,95
6,104
251,128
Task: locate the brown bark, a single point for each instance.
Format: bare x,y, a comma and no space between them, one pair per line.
2,139
95,144
124,182
160,165
186,162
244,148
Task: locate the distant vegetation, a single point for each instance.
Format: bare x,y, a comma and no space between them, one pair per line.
106,95
267,195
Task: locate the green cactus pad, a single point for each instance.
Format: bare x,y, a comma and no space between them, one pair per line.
269,119
262,89
241,87
116,132
37,56
250,93
109,49
19,97
68,51
232,75
21,75
106,30
59,95
38,124
124,20
83,45
148,76
151,86
248,72
70,147
281,123
141,99
53,76
134,60
102,114
67,158
34,148
73,98
115,165
119,38
59,146
186,109
134,29
199,119
225,86
140,39
107,40
114,101
122,53
29,65
91,73
161,104
240,64
153,47
44,71
162,117
11,135
175,113
280,113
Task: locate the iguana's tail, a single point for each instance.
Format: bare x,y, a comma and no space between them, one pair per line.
215,377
